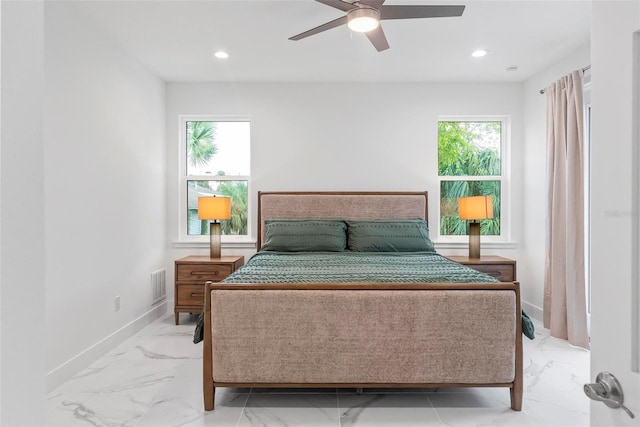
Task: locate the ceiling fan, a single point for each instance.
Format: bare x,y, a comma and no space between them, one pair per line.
364,16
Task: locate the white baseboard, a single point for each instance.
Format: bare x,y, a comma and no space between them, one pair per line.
68,369
533,311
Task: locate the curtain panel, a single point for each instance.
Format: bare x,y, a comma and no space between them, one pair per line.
565,311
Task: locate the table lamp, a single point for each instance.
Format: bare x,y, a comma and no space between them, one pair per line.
473,209
214,209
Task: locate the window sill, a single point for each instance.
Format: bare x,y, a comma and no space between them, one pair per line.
250,244
245,244
464,245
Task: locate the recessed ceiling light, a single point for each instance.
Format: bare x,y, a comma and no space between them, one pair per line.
221,54
479,53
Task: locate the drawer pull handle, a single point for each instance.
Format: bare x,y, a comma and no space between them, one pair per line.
200,273
196,294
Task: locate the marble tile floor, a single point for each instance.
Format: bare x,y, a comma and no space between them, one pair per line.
154,380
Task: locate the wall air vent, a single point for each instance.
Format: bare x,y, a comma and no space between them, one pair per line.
158,286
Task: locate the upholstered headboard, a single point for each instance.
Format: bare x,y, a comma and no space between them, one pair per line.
340,205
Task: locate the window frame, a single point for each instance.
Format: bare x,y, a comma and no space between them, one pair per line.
504,178
183,180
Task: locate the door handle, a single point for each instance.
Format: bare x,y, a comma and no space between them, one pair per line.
607,389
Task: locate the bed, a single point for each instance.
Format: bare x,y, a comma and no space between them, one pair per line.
346,292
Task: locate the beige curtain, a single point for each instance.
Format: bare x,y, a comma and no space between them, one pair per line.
565,312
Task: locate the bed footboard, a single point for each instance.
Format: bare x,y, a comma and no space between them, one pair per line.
363,335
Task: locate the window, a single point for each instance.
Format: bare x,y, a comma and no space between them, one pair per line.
472,161
215,161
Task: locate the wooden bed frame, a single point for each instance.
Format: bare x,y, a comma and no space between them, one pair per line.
357,206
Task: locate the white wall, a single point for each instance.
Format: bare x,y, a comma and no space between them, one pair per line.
104,192
345,136
22,384
531,260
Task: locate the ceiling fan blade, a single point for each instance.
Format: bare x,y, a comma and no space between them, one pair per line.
338,4
378,39
376,4
324,27
419,11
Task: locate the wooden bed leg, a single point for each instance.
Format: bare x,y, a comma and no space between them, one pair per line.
209,397
516,397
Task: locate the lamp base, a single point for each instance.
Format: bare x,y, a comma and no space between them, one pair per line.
215,249
474,240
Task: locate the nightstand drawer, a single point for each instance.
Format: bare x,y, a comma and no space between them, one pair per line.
201,273
191,295
502,272
190,275
503,269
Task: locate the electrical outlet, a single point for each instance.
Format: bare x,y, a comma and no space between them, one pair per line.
116,303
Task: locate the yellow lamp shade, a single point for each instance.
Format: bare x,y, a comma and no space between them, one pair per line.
476,207
214,208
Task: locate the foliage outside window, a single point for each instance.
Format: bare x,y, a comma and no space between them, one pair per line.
470,163
216,155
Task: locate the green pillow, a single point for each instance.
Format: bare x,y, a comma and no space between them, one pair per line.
306,235
389,236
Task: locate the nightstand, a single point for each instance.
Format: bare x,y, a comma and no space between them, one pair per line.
503,269
191,273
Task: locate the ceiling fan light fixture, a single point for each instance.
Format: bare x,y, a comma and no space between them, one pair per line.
363,19
479,53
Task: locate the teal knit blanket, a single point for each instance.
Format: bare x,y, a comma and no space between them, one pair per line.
360,267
